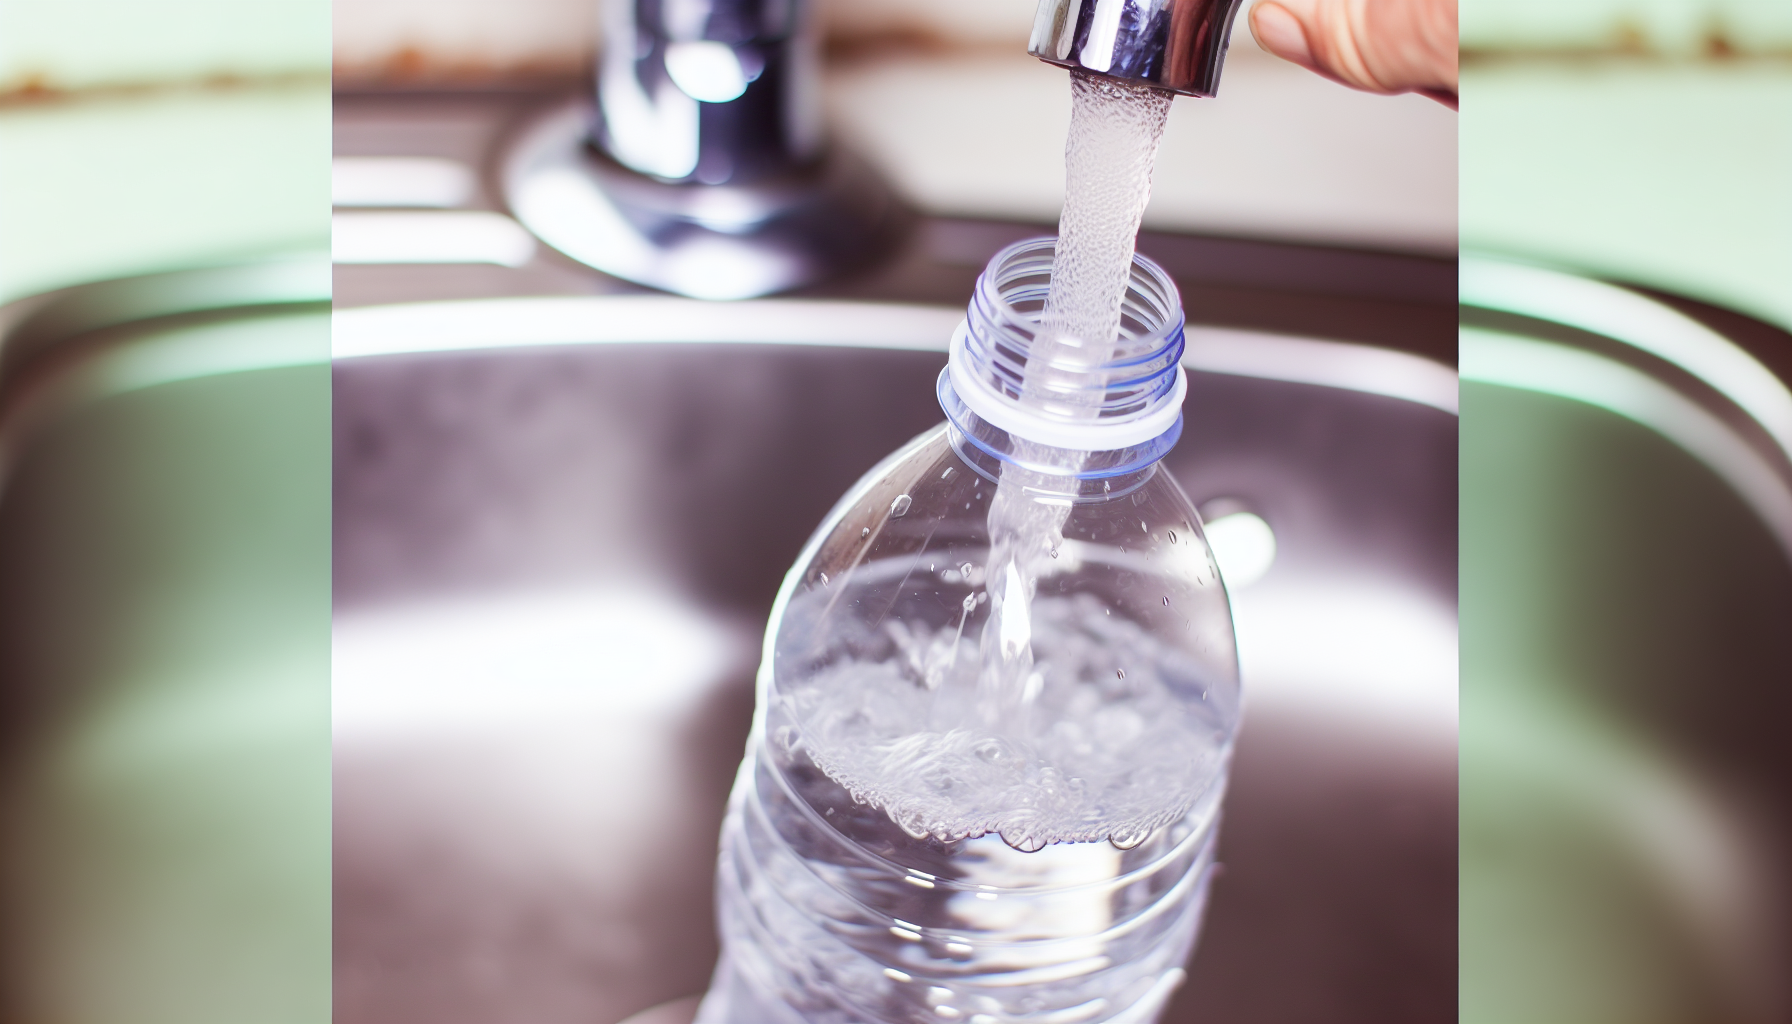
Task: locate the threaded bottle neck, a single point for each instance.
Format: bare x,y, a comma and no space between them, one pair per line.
1014,386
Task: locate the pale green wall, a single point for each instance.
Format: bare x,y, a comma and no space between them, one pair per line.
185,133
1665,26
1672,174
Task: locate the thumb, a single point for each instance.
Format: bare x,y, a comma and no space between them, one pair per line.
1384,46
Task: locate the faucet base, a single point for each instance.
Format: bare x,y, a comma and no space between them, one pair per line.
728,241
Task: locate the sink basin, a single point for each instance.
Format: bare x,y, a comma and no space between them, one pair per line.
164,649
561,511
1627,588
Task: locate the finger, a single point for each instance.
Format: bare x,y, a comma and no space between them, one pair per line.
1409,44
1277,30
1384,46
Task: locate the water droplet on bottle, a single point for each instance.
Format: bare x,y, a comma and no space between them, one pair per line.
947,475
1143,528
965,569
824,578
1054,552
990,750
1166,601
1107,486
866,532
970,602
899,507
1172,536
1120,673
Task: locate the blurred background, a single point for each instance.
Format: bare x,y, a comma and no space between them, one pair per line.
164,512
1624,783
1624,613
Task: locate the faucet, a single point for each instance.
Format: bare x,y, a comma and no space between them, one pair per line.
1176,45
702,168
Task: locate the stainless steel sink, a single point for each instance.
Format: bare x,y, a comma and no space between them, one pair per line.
561,510
164,649
551,470
1627,638
560,523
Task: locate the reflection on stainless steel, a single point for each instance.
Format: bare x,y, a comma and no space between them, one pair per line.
433,236
1492,357
636,319
1366,368
1179,45
397,181
1627,513
703,169
164,648
1638,322
1243,545
540,845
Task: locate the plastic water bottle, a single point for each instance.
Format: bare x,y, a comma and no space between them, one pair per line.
996,706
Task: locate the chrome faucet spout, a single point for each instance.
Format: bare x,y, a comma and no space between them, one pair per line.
1177,45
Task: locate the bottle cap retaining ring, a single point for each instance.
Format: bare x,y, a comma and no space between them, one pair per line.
1091,435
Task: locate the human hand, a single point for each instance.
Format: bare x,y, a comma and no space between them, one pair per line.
1383,46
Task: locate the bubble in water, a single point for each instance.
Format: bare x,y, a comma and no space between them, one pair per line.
899,507
1166,601
947,475
1143,528
824,578
1126,840
1112,144
1054,552
1025,842
1172,536
786,738
1090,758
965,570
914,823
866,532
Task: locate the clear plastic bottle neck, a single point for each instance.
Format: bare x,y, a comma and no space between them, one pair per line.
1013,396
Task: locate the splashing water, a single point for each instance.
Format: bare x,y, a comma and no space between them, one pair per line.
1115,128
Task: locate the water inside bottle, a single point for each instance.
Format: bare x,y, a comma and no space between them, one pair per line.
995,733
957,735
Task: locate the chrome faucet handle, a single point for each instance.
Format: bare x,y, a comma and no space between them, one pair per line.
1178,45
703,169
